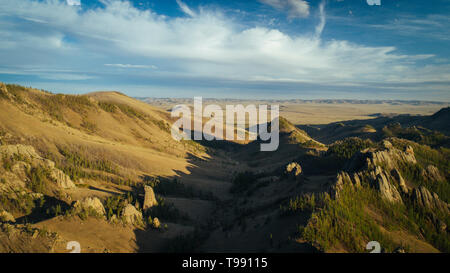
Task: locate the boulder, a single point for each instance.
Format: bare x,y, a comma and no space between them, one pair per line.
156,223
90,203
6,217
293,170
149,198
131,215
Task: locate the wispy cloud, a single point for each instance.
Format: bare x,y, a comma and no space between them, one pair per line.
185,8
140,66
322,16
432,26
294,8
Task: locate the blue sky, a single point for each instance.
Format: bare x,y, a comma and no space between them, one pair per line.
238,49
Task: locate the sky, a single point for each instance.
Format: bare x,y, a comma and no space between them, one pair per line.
265,49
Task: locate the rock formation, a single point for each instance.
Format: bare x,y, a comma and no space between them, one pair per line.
131,215
432,173
90,203
424,198
26,157
293,170
397,175
149,198
385,187
6,217
156,223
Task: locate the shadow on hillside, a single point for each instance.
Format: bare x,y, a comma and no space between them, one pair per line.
182,238
44,212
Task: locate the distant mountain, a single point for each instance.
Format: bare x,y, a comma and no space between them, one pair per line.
411,127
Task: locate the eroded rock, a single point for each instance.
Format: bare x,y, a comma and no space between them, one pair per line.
424,198
432,173
90,203
131,215
6,217
149,198
61,179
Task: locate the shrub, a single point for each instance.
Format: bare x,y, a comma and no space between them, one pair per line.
166,211
346,148
345,221
131,112
38,177
303,202
77,160
89,126
107,107
114,205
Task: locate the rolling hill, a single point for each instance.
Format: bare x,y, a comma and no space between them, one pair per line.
102,169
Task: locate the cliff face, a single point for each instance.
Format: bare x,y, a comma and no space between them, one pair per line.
382,171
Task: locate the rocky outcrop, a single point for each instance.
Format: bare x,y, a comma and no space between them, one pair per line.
131,215
432,173
25,156
389,158
156,223
380,168
149,198
90,203
387,144
387,189
398,176
293,170
6,217
25,152
61,179
343,178
424,198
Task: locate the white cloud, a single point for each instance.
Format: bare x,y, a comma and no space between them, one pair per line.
73,2
185,8
207,46
294,8
133,66
322,16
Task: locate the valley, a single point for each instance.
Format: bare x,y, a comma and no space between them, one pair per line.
102,169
